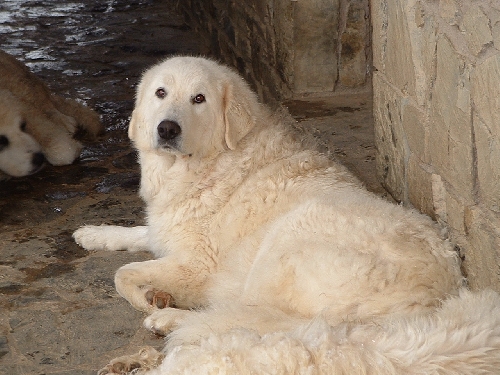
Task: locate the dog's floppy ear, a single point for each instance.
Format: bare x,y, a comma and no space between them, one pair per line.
132,126
240,106
137,119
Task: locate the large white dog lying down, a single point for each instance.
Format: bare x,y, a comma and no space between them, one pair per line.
277,260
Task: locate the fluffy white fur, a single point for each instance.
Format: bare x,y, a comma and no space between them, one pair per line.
458,339
278,260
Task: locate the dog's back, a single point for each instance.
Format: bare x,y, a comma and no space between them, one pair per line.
36,95
22,83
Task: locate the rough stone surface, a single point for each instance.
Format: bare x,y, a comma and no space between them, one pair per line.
420,186
495,25
488,155
450,131
416,131
315,64
391,144
445,85
398,52
486,92
455,217
355,46
449,11
483,233
477,29
439,200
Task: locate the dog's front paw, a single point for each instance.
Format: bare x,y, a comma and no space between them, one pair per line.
147,359
62,151
94,237
159,299
163,321
112,237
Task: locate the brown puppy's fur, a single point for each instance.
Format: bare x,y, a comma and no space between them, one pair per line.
51,120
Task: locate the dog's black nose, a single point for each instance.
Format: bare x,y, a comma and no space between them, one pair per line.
37,159
168,130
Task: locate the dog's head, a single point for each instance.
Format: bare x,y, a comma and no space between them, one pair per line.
20,153
192,106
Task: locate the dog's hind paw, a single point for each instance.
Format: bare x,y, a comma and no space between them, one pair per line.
146,359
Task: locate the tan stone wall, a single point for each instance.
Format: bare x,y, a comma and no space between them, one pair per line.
436,86
288,48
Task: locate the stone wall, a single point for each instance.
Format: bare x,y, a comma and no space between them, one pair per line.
288,48
436,86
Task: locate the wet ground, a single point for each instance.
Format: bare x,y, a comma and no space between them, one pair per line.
59,312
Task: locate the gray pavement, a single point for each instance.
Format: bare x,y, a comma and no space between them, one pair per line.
59,311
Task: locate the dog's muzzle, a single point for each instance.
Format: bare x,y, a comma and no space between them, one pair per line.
168,131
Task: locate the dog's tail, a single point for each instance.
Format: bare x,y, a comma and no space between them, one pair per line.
460,338
88,121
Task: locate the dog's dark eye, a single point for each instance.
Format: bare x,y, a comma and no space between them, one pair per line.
160,93
23,126
4,141
200,98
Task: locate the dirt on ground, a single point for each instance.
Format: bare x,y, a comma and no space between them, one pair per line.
59,311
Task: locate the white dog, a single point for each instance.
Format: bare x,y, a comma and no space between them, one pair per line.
275,258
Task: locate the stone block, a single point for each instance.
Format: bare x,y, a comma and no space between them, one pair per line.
482,260
390,141
424,41
439,145
494,15
450,125
244,43
488,166
354,46
315,63
419,14
284,40
455,214
461,163
404,43
261,8
477,31
486,92
415,129
420,187
447,79
378,11
439,199
399,59
353,60
449,10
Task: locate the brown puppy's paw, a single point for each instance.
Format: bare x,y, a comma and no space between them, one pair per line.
146,359
159,299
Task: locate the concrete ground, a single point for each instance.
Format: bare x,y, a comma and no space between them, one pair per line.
59,311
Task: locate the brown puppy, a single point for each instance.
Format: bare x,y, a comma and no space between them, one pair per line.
28,108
